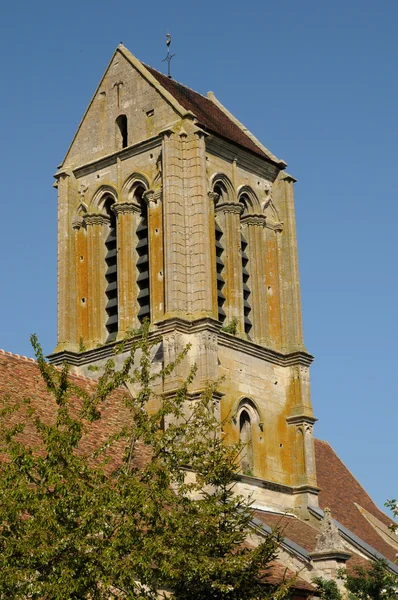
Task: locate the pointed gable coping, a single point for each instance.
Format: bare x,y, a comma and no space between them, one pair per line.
141,68
281,163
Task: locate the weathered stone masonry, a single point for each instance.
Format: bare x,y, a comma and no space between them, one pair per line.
170,168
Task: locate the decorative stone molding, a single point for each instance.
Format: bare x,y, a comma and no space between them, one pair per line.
82,191
96,219
125,207
330,553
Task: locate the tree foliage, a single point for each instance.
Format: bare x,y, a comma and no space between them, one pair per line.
326,589
375,582
75,526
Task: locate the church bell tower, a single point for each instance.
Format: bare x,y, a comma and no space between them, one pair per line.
170,209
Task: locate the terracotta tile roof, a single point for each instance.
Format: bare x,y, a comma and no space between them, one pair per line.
302,533
209,115
20,378
340,491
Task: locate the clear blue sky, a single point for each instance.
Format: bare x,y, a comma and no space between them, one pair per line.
316,82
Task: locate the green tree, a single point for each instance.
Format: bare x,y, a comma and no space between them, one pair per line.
74,525
326,589
373,583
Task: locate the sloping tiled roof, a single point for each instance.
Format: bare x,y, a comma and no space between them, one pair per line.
209,115
340,491
20,378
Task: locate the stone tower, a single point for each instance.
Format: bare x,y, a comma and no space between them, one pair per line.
170,209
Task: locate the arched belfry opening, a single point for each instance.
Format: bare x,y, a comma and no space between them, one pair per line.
220,195
111,272
244,202
143,278
121,132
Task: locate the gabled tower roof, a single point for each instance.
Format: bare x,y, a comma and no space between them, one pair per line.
212,116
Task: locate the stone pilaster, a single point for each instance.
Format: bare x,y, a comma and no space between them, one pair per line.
228,216
97,231
67,339
271,266
127,215
291,318
253,226
176,296
156,253
82,278
199,257
301,417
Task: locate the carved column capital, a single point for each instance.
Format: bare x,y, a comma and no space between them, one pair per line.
152,196
213,196
230,207
253,219
125,207
77,223
96,219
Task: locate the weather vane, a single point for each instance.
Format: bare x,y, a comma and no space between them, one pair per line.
169,56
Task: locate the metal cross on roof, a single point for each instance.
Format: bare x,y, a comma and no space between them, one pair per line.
169,56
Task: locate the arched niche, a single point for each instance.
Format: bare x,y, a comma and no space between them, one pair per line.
249,200
222,186
249,427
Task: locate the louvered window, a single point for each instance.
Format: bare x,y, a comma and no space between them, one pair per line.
219,270
144,300
111,275
246,288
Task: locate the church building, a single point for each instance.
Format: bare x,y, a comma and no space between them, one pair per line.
170,210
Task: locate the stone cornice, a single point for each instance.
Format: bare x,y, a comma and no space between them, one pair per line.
191,327
298,357
244,158
110,159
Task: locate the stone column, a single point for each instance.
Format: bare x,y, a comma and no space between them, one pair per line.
97,231
228,216
254,232
127,215
156,258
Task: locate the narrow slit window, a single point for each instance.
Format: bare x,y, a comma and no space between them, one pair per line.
245,436
121,131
